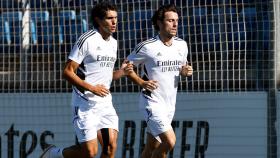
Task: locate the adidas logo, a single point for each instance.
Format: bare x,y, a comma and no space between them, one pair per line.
98,48
159,54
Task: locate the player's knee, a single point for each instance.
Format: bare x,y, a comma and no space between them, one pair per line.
113,146
110,149
170,143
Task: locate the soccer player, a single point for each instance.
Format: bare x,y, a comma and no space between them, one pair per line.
90,70
163,59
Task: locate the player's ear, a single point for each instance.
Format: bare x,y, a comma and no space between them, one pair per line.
97,20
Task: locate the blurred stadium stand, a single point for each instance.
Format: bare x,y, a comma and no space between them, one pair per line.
70,27
56,24
6,5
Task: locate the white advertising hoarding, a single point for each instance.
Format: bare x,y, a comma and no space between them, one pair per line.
207,125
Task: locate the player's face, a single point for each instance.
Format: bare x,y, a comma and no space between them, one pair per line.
108,25
168,27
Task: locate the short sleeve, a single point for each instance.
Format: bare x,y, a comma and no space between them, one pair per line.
186,51
138,55
78,54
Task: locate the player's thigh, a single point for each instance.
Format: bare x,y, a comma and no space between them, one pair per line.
151,142
168,137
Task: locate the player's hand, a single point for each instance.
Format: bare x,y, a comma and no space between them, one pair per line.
150,85
100,90
127,67
186,70
124,63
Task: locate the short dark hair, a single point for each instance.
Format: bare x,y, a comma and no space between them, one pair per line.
159,14
99,11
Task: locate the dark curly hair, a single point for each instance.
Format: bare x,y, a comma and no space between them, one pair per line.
99,11
159,14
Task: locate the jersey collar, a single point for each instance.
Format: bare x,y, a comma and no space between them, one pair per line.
172,39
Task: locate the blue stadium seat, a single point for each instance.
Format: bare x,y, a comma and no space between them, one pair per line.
249,13
39,21
12,16
5,34
12,23
68,14
199,11
67,25
2,31
43,34
84,19
5,38
250,16
10,31
70,28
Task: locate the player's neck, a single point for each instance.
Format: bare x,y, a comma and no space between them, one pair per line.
105,35
166,40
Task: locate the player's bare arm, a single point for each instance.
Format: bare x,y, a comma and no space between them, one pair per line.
70,75
149,85
186,70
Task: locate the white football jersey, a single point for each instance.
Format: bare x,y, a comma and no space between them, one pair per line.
163,64
97,58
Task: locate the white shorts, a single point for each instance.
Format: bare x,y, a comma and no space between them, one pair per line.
87,120
157,116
